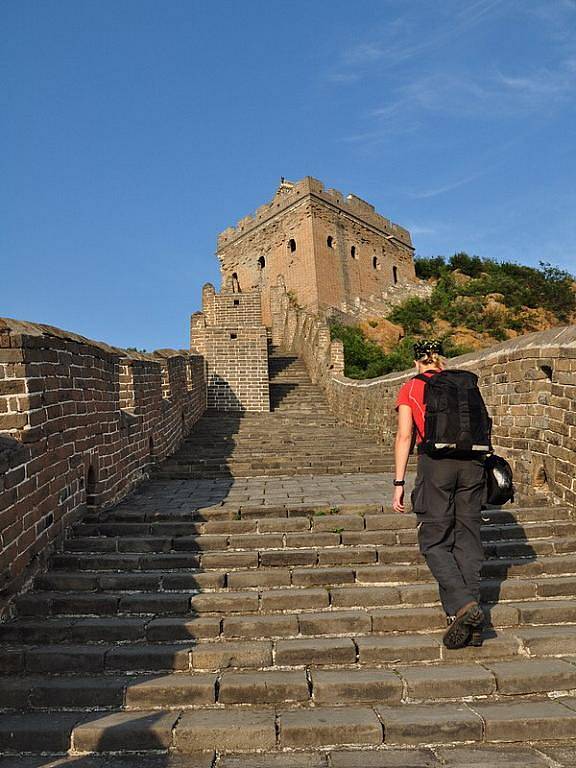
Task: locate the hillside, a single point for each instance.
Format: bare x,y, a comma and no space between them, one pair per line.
474,304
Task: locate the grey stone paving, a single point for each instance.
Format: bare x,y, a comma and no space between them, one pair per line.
282,490
559,755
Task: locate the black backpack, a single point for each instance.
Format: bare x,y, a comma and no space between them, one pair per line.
456,422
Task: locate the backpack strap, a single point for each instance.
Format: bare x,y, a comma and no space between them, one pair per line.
422,377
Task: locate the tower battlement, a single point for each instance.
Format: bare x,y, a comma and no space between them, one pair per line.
291,193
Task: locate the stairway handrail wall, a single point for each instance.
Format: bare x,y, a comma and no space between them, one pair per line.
81,423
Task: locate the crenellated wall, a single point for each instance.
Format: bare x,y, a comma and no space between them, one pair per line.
528,383
81,423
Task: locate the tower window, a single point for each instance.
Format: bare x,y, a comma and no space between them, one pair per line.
292,245
236,302
353,251
330,241
235,283
395,274
261,262
375,262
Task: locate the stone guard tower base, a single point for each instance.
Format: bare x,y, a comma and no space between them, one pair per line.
229,334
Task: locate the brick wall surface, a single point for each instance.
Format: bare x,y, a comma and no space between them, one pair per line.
80,422
528,383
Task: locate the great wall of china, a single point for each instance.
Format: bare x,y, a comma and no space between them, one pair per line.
199,563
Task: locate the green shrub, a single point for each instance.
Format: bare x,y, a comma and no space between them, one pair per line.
363,359
444,294
412,313
429,267
460,305
558,295
472,266
523,286
464,311
454,350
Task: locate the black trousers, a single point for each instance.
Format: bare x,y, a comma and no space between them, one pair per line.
447,499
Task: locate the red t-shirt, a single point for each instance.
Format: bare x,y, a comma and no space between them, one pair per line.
412,393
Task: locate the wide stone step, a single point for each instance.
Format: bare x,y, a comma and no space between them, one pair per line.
328,576
252,730
194,511
248,602
373,685
300,550
178,590
112,538
237,516
300,458
472,756
110,644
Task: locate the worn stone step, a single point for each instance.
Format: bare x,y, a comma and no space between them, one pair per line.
253,730
396,684
278,593
209,518
326,549
208,652
376,516
95,592
340,530
111,692
242,616
535,639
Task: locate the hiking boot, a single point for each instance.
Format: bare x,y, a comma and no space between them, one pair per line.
464,628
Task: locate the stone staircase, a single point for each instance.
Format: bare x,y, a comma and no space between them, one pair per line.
299,436
288,621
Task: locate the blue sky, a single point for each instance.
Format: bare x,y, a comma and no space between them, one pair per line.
133,131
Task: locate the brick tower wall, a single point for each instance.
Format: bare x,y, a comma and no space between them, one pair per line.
285,242
354,259
291,234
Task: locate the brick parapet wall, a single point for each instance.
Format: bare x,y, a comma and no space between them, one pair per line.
528,383
79,421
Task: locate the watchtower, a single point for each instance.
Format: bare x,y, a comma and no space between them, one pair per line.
333,251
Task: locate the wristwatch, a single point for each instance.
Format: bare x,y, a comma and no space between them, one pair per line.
399,482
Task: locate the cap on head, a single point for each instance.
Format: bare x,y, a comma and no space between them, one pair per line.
427,347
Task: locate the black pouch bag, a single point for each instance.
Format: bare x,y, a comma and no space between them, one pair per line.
499,480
